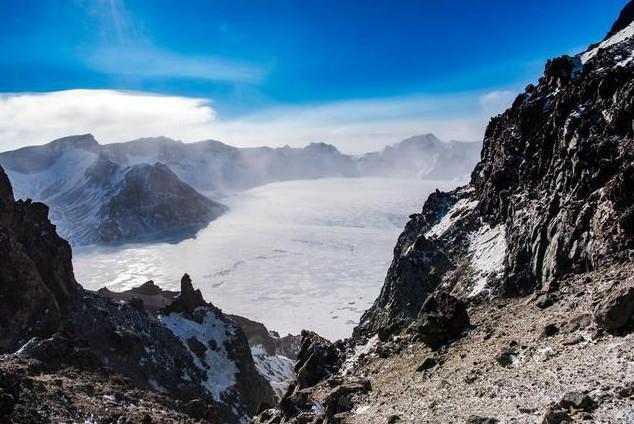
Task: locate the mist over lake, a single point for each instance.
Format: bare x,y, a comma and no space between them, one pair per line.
293,255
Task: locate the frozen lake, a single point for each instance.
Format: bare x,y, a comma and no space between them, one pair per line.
301,254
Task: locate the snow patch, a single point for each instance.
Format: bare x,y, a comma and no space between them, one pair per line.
457,211
220,369
619,37
359,351
488,248
277,369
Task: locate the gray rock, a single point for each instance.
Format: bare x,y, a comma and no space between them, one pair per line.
614,309
577,401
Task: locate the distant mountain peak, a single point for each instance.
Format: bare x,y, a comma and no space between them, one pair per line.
84,141
322,146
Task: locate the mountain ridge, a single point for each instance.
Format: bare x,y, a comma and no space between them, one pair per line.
88,185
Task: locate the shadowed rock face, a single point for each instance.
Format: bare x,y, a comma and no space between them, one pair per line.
551,195
36,274
151,201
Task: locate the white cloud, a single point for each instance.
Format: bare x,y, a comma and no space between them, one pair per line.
36,118
354,126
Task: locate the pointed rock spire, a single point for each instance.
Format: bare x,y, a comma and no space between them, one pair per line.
188,299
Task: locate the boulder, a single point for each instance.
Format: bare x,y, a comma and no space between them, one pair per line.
613,310
442,318
578,401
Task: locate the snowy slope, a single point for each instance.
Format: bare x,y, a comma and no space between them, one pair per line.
95,200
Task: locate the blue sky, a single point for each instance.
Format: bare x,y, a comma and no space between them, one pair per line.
243,64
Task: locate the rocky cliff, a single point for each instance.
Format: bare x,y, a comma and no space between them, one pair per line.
503,294
550,196
71,355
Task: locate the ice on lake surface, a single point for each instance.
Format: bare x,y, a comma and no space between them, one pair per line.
301,254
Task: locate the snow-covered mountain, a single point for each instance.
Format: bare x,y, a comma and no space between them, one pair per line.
425,157
95,200
213,166
150,187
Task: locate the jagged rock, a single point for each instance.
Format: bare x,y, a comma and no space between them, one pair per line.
571,403
573,340
627,390
271,341
550,196
442,318
188,299
270,416
36,274
614,309
152,296
318,358
197,347
296,400
414,273
69,328
545,300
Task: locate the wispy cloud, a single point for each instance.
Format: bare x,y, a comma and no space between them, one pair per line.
126,50
354,126
151,62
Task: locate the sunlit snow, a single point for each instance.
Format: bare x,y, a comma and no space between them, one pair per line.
620,36
488,247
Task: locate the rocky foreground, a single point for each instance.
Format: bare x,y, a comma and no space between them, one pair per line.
70,355
510,299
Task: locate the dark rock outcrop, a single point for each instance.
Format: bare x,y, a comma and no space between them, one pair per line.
60,326
258,335
188,300
442,318
152,201
415,272
36,274
318,359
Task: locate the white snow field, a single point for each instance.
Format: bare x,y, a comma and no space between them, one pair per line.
301,254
